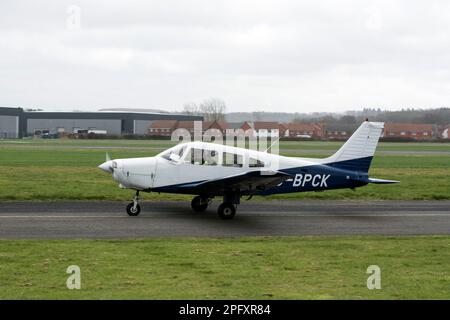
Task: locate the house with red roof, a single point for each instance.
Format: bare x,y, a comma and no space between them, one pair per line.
266,128
162,128
417,131
305,130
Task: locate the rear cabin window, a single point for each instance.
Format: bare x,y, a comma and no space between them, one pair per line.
232,160
255,163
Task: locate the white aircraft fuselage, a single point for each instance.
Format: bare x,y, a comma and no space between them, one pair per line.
209,170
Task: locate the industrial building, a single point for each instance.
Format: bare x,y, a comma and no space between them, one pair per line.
18,123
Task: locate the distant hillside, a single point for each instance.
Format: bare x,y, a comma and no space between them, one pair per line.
432,116
271,116
440,116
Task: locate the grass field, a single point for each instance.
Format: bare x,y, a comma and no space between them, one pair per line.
67,169
250,268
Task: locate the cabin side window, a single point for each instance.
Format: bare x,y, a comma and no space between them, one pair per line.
210,157
255,163
197,156
232,159
202,157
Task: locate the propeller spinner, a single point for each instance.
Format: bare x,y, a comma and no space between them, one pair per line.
107,166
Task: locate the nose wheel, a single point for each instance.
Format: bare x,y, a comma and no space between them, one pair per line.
133,208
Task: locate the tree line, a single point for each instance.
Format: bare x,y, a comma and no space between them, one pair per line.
440,116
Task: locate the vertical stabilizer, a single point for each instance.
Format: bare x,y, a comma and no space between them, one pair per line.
356,154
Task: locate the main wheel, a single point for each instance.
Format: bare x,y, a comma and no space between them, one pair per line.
132,210
226,211
199,204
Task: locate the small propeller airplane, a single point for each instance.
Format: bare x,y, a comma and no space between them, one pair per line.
209,170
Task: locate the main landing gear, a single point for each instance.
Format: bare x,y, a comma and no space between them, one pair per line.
133,208
200,204
226,210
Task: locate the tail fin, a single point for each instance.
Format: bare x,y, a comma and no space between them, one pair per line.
356,154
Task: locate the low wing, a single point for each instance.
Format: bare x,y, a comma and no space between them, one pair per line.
251,182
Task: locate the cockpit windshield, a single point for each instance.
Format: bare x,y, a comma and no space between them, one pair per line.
173,154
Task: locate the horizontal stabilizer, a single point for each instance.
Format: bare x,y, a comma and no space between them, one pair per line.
382,181
373,180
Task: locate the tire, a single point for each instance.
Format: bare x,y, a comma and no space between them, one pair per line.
226,211
133,212
199,204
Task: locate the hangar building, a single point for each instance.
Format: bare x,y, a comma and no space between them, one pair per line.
17,123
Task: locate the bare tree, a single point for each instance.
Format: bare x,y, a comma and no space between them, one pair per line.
213,109
192,109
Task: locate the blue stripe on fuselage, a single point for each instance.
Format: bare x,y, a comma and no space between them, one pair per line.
343,174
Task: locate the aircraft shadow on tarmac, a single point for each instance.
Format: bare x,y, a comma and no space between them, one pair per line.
250,219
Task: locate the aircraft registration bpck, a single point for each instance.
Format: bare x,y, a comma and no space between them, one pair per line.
317,180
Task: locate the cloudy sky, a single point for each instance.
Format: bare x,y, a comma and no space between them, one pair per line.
293,56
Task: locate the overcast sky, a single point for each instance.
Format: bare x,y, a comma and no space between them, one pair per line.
293,56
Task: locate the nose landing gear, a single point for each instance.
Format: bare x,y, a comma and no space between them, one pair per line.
133,208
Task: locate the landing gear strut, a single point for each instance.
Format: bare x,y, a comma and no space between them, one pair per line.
227,210
133,208
199,203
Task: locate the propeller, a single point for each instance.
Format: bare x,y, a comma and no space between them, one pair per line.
107,166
